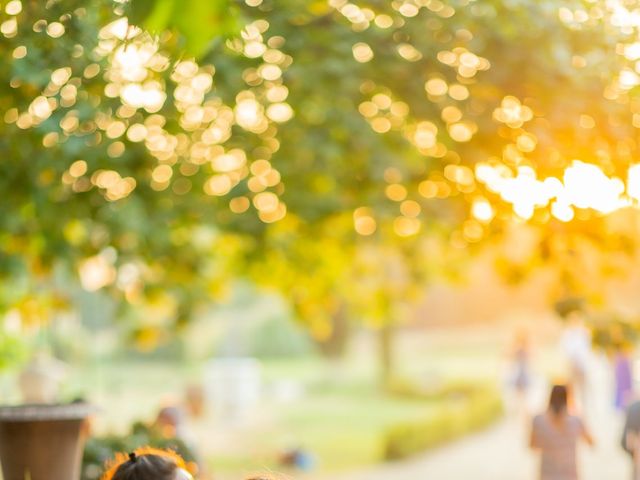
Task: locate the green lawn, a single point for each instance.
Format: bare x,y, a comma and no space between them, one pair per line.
343,428
341,416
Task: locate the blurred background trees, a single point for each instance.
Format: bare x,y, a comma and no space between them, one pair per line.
343,153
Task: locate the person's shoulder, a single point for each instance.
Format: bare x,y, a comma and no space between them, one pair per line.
538,419
574,419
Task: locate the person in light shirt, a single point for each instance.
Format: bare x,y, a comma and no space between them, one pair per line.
576,343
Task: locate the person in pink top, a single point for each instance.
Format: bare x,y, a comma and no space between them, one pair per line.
555,434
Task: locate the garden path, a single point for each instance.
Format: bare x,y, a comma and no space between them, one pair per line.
501,453
498,453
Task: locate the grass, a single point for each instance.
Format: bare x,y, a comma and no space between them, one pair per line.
346,431
127,391
340,429
341,418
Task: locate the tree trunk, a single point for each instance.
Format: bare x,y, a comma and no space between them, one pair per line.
386,354
335,346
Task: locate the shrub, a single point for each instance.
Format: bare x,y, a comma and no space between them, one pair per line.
432,390
13,351
465,408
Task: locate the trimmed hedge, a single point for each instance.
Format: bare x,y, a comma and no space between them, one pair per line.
406,388
466,408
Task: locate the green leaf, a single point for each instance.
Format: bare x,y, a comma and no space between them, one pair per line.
159,18
201,22
140,10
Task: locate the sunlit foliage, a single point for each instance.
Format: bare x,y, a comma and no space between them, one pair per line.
166,146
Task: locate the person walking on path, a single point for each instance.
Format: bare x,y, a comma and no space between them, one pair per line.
520,359
631,436
555,434
623,374
576,343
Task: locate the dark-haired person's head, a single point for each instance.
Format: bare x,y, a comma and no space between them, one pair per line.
558,400
148,464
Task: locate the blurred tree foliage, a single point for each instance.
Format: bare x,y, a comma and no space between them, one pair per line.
315,146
